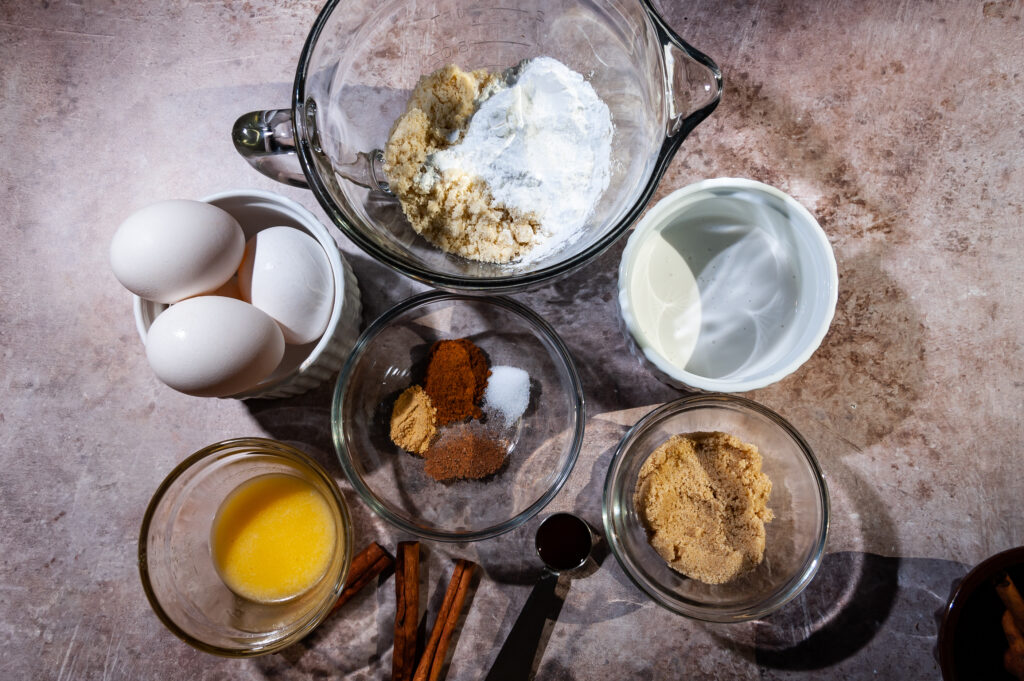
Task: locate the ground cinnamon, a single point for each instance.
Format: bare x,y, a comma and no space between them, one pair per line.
465,452
456,378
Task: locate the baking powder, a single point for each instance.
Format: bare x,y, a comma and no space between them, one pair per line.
542,144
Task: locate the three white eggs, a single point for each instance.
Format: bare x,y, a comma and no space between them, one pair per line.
233,304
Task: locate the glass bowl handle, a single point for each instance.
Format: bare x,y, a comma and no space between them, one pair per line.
693,81
266,140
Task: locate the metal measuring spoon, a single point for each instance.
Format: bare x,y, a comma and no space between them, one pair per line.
564,542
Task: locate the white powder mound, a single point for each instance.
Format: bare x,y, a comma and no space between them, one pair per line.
507,392
542,145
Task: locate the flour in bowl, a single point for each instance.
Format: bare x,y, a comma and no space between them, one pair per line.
501,168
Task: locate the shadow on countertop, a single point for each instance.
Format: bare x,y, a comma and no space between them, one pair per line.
824,626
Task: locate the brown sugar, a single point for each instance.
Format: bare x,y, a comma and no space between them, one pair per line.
465,452
412,420
456,378
703,500
458,213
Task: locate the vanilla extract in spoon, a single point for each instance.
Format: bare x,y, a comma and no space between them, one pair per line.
563,543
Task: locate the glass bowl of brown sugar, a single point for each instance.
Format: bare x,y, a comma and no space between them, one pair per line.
703,506
458,418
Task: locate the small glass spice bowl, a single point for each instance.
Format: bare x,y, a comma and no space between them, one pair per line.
794,541
177,567
542,444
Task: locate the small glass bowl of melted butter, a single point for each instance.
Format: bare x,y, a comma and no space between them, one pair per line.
245,547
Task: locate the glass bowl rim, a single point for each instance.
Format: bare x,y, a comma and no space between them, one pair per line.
502,283
792,587
276,448
366,338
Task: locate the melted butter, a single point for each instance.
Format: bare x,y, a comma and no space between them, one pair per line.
273,538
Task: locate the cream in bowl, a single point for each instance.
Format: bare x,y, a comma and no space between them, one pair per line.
727,285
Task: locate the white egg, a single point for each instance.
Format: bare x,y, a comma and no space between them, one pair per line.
228,289
213,346
287,274
171,250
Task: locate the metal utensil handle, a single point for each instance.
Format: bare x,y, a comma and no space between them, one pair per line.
515,659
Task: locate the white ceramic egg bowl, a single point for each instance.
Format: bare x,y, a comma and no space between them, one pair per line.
303,367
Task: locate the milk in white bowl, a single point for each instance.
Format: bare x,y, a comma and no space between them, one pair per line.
727,285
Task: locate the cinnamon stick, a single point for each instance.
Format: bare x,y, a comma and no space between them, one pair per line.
1013,658
423,668
407,605
369,563
432,662
1011,598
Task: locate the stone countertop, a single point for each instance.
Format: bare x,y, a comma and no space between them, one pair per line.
897,124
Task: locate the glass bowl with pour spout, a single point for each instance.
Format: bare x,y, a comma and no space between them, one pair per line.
362,59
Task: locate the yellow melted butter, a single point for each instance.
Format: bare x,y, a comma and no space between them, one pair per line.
273,538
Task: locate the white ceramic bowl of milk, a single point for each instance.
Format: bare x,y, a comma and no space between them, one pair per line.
727,285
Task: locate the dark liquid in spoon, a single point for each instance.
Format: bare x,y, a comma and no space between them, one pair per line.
563,541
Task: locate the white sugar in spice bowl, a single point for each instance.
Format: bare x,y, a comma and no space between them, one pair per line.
727,285
303,366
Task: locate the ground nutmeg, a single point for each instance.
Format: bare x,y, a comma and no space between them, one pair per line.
465,452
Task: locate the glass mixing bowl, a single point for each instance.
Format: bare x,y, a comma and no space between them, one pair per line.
363,57
542,444
794,540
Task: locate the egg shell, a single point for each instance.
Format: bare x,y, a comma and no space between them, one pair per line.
213,346
228,289
172,250
286,273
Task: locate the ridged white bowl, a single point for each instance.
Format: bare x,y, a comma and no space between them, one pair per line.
304,366
746,237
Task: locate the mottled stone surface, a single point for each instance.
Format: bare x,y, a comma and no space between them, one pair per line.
898,124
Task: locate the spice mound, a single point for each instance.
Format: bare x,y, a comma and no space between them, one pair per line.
499,167
466,452
440,421
508,393
456,380
703,500
412,420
